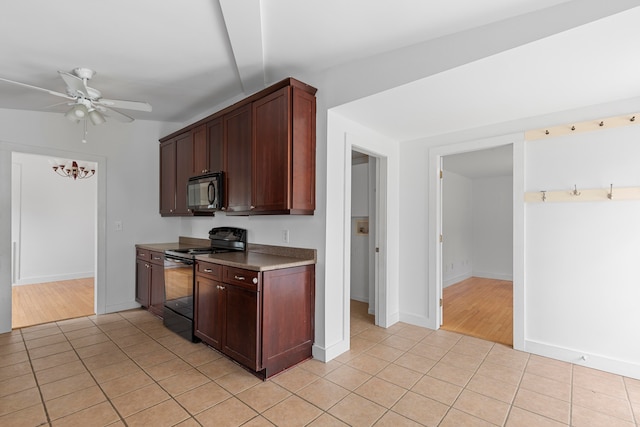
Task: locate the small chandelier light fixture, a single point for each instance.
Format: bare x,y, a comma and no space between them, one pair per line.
72,170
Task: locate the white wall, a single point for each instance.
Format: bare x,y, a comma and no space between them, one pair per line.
582,270
55,223
359,242
457,228
343,135
127,157
492,243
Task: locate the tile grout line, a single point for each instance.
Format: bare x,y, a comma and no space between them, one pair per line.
171,397
92,376
33,372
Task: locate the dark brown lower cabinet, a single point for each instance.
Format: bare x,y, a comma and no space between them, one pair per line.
263,320
150,280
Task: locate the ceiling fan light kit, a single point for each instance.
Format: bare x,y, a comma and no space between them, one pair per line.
87,102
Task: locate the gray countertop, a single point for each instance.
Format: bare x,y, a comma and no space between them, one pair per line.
255,261
257,257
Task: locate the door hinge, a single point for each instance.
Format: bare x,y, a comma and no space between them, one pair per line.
441,239
377,250
440,302
440,173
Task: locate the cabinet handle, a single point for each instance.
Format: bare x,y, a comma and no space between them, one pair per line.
142,254
207,270
223,208
220,287
252,207
146,265
255,280
238,277
156,257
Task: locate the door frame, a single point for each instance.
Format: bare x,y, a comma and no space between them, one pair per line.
435,225
6,150
379,231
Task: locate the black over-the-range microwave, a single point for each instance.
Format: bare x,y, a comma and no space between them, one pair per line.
204,192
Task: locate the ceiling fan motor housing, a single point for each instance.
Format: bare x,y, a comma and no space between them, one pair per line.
84,73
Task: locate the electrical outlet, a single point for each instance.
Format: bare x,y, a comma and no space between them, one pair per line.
285,236
118,226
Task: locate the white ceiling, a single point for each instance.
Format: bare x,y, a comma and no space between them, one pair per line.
593,64
185,57
490,162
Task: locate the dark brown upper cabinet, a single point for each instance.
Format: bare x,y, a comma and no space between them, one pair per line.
176,165
264,144
283,153
237,159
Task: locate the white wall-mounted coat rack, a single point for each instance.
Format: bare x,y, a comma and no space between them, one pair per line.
576,194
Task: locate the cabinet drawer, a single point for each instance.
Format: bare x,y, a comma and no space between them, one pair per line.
143,254
156,257
245,278
206,269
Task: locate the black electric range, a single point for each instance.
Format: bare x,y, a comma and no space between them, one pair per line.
179,277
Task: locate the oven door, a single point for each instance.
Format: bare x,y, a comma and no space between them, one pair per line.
178,291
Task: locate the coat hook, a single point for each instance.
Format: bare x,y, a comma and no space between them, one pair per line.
546,132
575,191
632,119
610,194
601,123
573,128
544,195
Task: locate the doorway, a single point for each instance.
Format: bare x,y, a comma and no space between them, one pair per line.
476,271
53,242
363,229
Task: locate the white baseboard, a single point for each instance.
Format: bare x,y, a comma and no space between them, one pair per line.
448,281
417,320
325,354
595,361
492,275
360,298
121,307
53,278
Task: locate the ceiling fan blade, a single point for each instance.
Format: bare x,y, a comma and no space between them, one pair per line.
74,83
110,112
127,105
50,92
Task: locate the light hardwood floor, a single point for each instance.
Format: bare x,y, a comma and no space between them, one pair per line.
51,301
481,308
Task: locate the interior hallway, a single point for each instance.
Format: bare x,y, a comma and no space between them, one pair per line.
127,369
51,301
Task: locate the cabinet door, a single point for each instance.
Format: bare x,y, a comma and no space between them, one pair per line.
303,143
142,282
208,317
271,152
215,149
184,170
167,177
237,166
200,155
288,307
240,336
156,289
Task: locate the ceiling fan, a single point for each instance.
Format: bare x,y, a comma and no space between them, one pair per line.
87,102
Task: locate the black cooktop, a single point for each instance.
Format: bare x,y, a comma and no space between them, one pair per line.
223,239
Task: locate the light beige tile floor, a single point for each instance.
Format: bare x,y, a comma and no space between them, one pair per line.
127,369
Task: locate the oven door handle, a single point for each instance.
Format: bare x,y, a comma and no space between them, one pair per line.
185,261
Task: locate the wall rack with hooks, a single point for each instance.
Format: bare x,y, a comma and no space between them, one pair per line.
577,194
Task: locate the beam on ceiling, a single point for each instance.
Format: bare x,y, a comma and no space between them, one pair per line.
244,27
